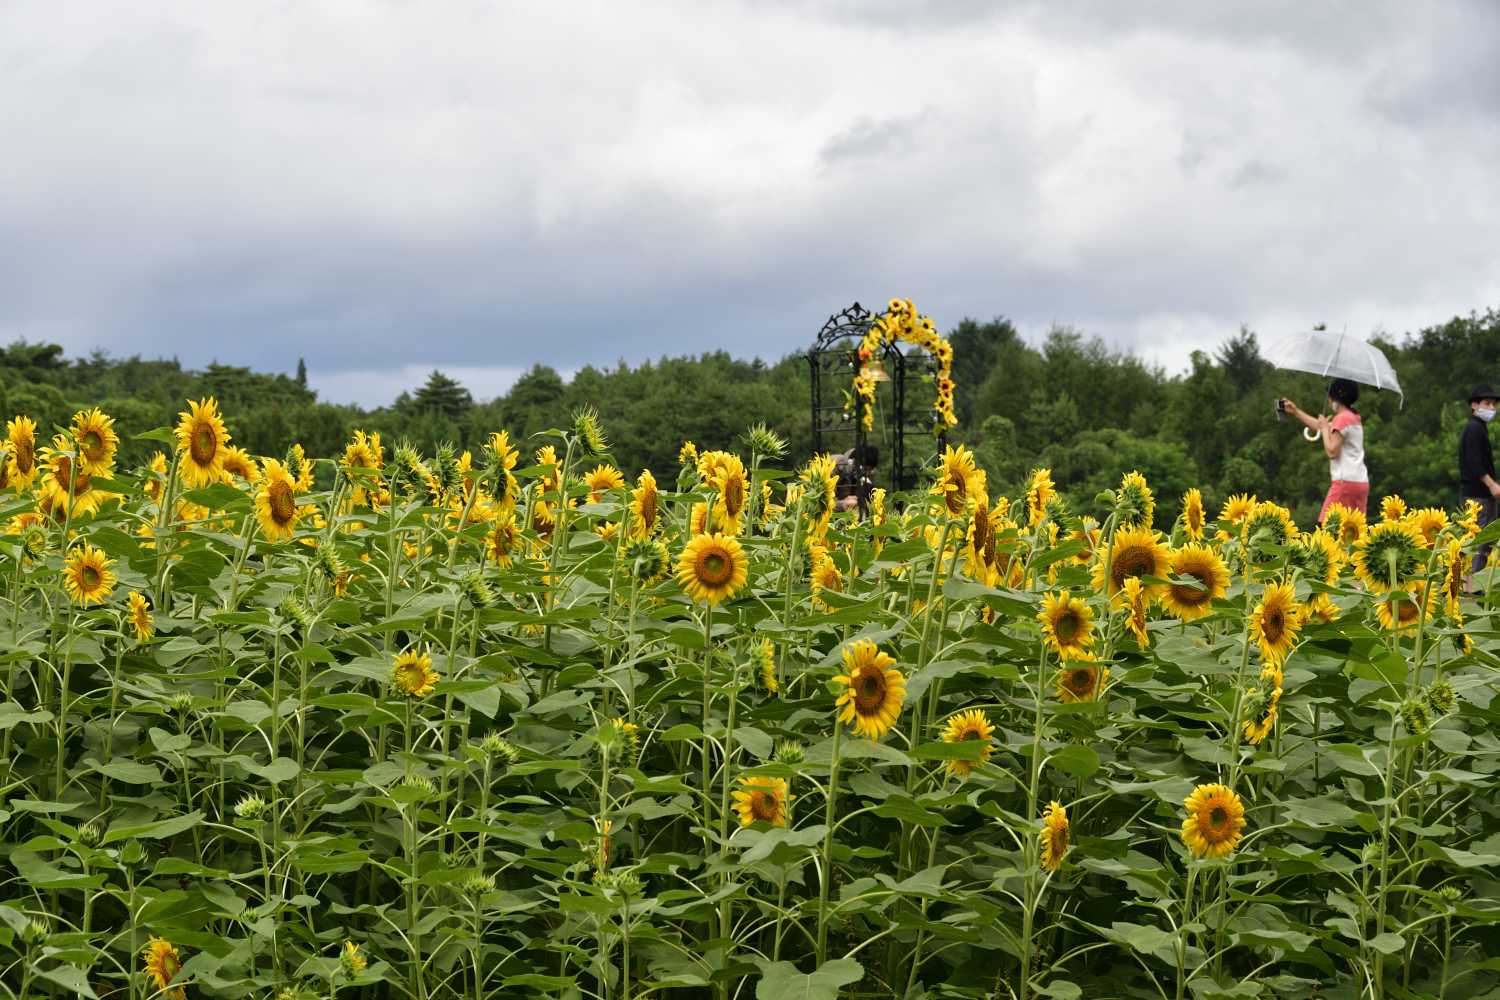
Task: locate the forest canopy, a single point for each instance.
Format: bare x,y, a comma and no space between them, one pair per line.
1071,403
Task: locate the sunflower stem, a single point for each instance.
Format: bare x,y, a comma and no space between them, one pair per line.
726,906
830,801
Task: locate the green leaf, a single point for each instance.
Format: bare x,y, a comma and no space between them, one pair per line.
154,831
1061,989
1075,759
782,981
796,843
70,977
130,772
1388,943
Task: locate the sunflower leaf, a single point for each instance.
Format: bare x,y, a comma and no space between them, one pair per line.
782,981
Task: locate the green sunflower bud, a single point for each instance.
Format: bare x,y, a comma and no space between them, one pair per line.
764,442
477,590
590,431
1440,697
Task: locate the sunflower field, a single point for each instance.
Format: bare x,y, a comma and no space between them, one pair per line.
386,724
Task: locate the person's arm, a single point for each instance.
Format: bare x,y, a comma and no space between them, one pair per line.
1333,441
1308,420
1476,459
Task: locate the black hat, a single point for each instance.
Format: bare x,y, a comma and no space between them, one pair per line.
1483,392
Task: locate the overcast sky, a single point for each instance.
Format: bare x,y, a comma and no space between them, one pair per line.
478,185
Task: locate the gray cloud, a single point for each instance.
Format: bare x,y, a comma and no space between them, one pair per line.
385,189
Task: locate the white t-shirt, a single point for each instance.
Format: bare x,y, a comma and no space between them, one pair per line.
1349,465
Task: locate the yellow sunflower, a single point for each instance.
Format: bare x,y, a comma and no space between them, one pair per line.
1192,514
1237,508
979,553
300,469
1429,522
820,489
826,578
1134,552
762,800
1392,508
276,503
503,538
1275,622
1320,556
94,433
1135,501
201,438
64,480
237,462
1468,518
1321,607
1215,821
1403,612
20,434
873,689
1054,835
1389,553
1039,490
351,959
712,568
732,493
140,616
1455,570
1067,624
955,480
687,454
970,725
412,674
1261,706
162,965
1352,526
1200,563
1268,524
1136,607
1081,680
87,576
602,479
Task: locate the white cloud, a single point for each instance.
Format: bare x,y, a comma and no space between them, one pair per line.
372,387
501,184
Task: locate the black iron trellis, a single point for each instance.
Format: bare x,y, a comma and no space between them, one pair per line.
834,360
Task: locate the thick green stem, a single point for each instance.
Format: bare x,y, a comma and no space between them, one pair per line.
826,882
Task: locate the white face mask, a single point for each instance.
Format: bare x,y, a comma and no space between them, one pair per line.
1485,413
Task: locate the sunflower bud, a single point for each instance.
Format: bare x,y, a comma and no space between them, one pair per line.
586,425
764,442
1451,895
351,960
1440,697
35,932
477,589
1416,717
181,703
502,750
251,807
627,884
478,884
132,853
627,738
450,478
90,834
763,656
329,562
790,752
421,783
294,610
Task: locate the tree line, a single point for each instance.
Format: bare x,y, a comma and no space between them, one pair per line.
1071,403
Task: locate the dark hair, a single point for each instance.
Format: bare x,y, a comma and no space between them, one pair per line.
866,455
1341,390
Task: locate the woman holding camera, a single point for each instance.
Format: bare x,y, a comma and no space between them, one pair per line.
1343,438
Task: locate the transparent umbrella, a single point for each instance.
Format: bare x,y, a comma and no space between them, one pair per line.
1335,355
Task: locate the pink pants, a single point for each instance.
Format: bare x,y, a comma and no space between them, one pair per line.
1355,496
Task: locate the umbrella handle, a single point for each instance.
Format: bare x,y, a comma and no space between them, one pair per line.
1310,435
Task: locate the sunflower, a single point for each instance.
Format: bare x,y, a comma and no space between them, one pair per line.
698,519
1275,622
763,658
820,489
140,617
1215,821
1429,522
301,469
351,960
1081,680
1237,508
955,480
94,433
162,965
687,454
1320,556
1087,534
1351,526
1200,563
87,576
412,674
762,800
825,578
1136,606
1039,489
1134,552
601,479
970,725
733,493
1192,514
1268,524
1469,518
712,568
20,433
1067,624
979,553
1261,706
873,689
1403,612
201,438
237,462
1455,570
1392,508
1135,501
1390,553
1321,607
276,503
1054,835
65,481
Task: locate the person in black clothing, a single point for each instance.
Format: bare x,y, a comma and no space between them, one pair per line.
1476,466
855,469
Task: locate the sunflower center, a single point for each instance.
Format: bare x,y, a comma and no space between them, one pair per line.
25,456
955,495
1081,681
1273,625
1067,626
869,690
89,576
92,445
648,509
1134,561
1218,819
283,505
734,497
763,806
1192,596
715,567
205,444
1406,611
